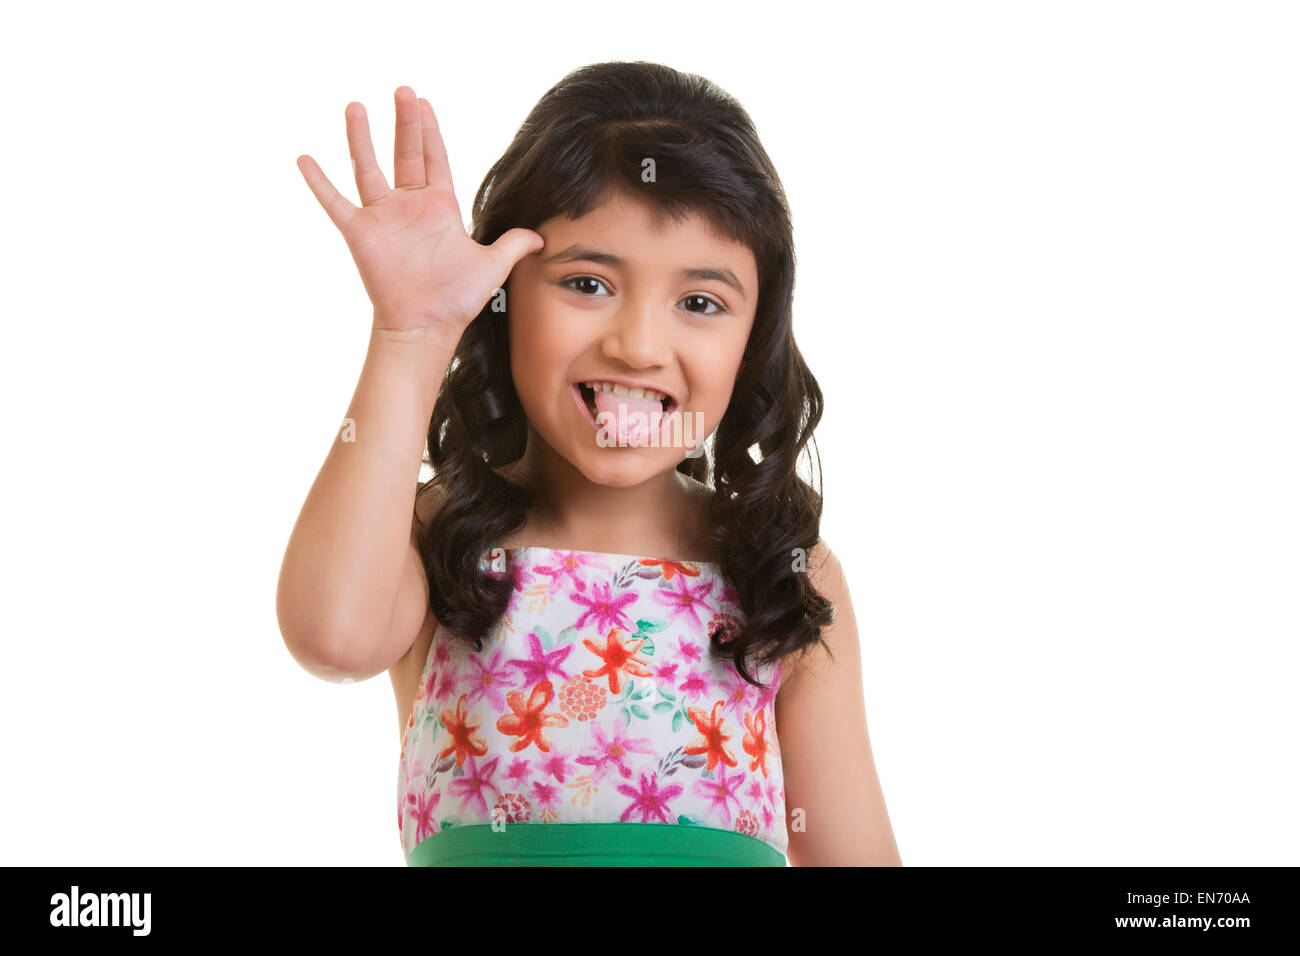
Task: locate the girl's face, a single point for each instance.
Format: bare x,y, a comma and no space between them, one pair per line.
612,298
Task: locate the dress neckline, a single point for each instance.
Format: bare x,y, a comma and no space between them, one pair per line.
605,554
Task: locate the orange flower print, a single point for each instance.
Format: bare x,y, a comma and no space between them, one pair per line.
529,721
755,742
596,698
712,743
670,568
461,726
618,657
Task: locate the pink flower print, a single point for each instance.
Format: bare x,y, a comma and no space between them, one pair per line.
775,801
414,767
720,790
737,695
540,664
441,658
430,681
518,771
441,653
449,681
688,650
477,779
545,794
774,808
520,579
684,599
555,764
612,753
757,795
607,610
696,684
649,801
665,672
488,681
567,565
422,806
763,696
411,771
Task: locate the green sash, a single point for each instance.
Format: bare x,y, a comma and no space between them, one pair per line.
593,844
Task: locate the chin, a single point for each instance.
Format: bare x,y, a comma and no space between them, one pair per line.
624,471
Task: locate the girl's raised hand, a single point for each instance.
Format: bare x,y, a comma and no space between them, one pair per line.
419,266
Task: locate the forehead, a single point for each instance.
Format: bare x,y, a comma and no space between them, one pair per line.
642,234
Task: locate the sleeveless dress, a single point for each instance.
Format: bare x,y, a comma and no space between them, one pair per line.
595,728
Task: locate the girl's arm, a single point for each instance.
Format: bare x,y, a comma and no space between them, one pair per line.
352,592
835,808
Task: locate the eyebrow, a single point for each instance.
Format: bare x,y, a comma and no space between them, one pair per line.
588,254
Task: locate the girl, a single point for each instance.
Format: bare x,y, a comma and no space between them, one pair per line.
594,622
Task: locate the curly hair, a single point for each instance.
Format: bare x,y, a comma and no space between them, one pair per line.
585,138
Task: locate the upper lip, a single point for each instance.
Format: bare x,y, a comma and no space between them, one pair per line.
672,397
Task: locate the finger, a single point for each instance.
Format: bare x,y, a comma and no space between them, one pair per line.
371,184
512,246
436,171
332,201
408,152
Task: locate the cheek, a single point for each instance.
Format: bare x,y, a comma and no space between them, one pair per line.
529,313
714,372
549,336
541,354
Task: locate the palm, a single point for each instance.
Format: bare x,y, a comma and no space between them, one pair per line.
419,266
413,254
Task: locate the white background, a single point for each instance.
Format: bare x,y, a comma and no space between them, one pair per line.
1047,281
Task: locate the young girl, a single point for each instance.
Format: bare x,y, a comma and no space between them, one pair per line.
594,622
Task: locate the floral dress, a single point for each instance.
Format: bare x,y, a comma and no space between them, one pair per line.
594,707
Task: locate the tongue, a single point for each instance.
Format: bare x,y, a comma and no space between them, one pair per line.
634,429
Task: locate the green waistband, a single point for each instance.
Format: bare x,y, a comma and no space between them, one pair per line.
592,844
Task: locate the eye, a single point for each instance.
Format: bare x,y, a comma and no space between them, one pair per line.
568,283
707,301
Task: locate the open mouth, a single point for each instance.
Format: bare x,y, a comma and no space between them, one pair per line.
589,399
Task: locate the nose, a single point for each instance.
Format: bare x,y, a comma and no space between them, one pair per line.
638,335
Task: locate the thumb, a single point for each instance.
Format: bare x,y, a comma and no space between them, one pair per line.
512,246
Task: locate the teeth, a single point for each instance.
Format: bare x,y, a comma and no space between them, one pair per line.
624,390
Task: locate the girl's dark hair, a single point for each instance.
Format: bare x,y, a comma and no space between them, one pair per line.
586,138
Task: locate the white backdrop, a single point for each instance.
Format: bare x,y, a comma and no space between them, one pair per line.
1047,281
